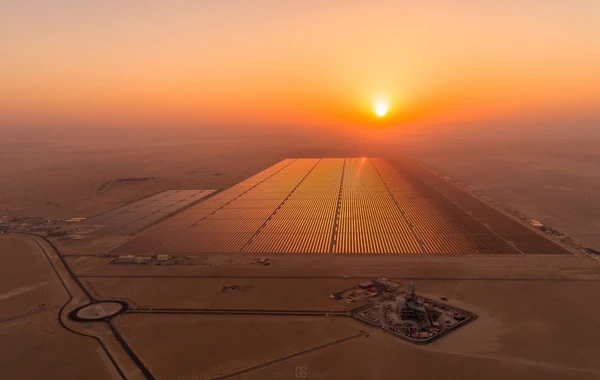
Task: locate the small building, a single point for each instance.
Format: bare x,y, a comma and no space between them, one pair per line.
536,223
365,285
75,220
163,257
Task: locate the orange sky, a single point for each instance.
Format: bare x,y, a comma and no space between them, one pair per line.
278,63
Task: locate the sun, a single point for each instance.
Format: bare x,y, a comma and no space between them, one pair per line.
381,106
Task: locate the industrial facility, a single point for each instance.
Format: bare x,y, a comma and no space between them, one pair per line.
382,303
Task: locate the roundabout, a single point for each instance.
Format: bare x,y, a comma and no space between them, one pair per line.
98,311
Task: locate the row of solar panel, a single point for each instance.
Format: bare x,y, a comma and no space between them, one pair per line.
145,212
167,199
243,225
467,213
190,242
293,206
295,218
441,226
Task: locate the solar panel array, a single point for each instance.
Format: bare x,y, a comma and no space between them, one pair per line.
336,205
448,197
138,215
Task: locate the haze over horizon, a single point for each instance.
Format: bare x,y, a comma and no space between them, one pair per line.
299,64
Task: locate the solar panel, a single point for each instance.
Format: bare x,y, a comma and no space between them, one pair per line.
138,215
333,205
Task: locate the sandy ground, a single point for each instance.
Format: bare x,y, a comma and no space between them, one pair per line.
524,329
209,346
37,347
524,320
30,299
575,267
193,293
383,357
28,283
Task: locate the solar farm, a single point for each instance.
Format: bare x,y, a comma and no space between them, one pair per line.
335,206
135,216
296,269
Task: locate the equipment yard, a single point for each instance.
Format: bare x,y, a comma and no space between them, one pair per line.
404,314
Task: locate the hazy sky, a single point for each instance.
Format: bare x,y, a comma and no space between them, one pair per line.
310,62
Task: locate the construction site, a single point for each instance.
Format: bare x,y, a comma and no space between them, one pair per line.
401,312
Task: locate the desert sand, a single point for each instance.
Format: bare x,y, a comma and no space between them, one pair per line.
33,343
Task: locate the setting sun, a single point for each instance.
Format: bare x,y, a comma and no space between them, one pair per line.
381,106
239,66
